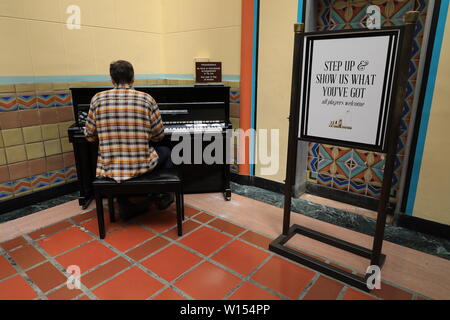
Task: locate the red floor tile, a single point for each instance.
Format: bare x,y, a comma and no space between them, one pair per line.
171,262
46,276
87,256
85,216
352,294
284,277
208,282
50,230
256,239
158,220
13,243
128,237
205,240
147,248
169,294
27,256
240,257
189,211
104,272
188,226
6,269
83,298
92,225
389,292
324,289
226,227
16,288
133,284
203,217
248,291
63,241
64,293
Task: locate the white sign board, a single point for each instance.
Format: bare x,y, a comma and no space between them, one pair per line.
347,88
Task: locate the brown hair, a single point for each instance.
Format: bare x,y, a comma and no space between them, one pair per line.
121,72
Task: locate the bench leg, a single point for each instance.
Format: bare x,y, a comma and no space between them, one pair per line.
100,218
182,205
179,213
112,218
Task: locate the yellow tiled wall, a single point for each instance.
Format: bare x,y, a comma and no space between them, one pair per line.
110,30
201,28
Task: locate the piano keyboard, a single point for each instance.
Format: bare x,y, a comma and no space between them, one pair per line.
194,127
213,126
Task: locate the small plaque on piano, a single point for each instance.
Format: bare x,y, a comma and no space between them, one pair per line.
208,72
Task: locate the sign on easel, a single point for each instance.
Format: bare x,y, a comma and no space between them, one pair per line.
347,88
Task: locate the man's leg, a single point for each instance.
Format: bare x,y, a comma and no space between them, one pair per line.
164,200
165,159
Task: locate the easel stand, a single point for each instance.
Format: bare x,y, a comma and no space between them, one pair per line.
375,256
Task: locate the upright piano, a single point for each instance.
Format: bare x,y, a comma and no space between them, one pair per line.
193,111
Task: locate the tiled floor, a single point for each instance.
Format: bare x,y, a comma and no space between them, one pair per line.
144,259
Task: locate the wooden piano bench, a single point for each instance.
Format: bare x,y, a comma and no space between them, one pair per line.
163,180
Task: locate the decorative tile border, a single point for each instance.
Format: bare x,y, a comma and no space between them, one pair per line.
8,102
70,174
21,186
39,182
6,191
45,100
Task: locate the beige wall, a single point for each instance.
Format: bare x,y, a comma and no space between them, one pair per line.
157,36
276,43
201,28
433,191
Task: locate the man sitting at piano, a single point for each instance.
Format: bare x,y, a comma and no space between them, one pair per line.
124,121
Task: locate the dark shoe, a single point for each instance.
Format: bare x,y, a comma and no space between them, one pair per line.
129,210
164,201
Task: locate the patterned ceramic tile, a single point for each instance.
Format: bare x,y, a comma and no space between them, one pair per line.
344,12
357,187
62,99
311,176
235,96
325,151
313,149
413,67
341,183
26,101
327,167
70,173
324,180
312,164
39,182
374,190
56,177
45,100
394,9
21,186
421,5
324,16
8,102
6,191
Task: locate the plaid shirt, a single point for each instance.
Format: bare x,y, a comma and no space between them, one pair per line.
124,121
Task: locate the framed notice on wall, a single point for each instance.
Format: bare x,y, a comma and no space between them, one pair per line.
347,87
